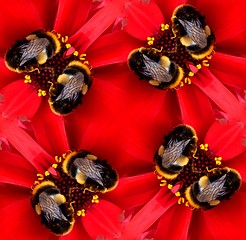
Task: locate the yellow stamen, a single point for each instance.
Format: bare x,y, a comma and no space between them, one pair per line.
58,159
169,186
65,39
218,160
81,213
40,176
164,27
198,66
54,165
204,147
41,93
178,194
82,56
68,45
163,183
150,40
191,74
95,199
187,80
205,63
181,200
76,53
46,173
27,79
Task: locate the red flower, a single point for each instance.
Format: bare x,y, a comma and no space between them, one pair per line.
155,212
224,80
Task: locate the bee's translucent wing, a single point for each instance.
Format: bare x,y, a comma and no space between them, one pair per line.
173,151
72,89
213,190
195,32
90,169
155,71
32,49
50,208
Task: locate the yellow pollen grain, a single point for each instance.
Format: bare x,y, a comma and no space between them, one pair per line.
46,173
68,45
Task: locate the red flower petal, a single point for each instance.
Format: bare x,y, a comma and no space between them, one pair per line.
134,191
168,6
102,220
167,229
50,131
25,144
220,94
238,48
12,168
95,26
151,212
71,16
142,19
226,139
47,11
239,164
198,228
19,221
18,19
111,48
224,27
225,221
78,232
19,99
7,76
235,73
196,109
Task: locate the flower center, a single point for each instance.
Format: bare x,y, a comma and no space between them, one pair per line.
80,196
171,47
48,73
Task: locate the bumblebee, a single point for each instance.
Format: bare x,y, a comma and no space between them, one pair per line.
179,145
219,184
149,64
26,55
94,174
66,94
189,25
56,214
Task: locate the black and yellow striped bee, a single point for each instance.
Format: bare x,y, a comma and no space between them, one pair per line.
219,184
25,55
94,174
189,25
179,145
66,94
56,214
151,65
